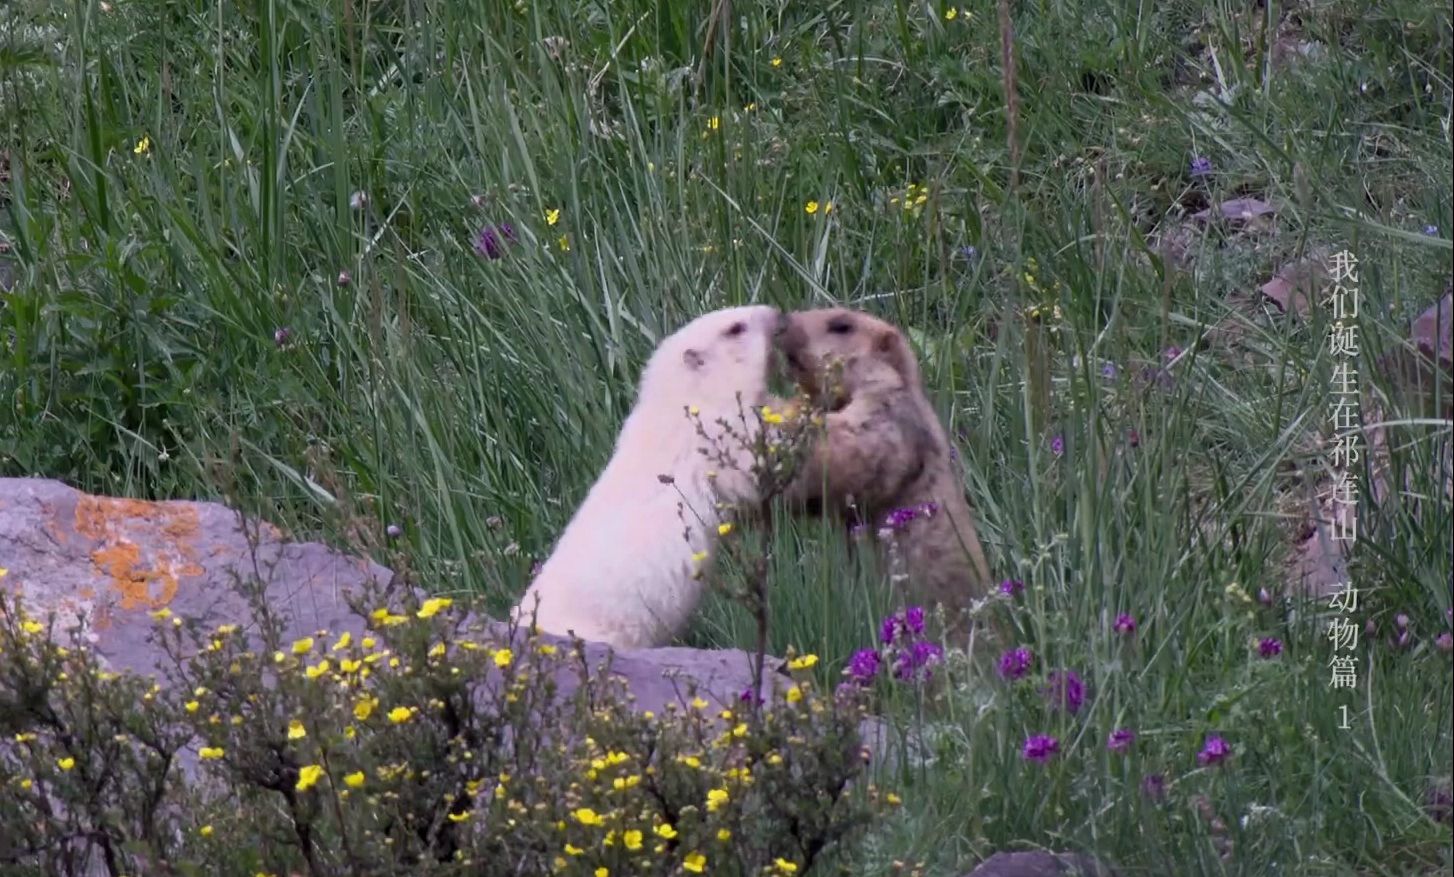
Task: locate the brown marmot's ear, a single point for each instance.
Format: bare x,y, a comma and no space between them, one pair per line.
894,349
693,359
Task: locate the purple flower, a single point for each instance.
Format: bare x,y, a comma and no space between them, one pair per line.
344,278
1401,620
491,240
1214,751
1439,803
1057,445
1402,640
968,252
748,696
1269,647
1125,624
1133,438
888,629
1065,689
1016,663
1109,371
1153,786
1444,642
900,517
914,619
393,531
1040,748
1431,230
1011,587
1121,740
1264,596
1369,628
863,666
1200,166
282,335
922,655
1171,353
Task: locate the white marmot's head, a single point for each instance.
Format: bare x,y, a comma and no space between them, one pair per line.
713,358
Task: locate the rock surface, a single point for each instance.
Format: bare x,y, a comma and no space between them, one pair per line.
1041,864
102,565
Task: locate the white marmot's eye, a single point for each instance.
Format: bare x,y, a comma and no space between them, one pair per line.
737,329
840,327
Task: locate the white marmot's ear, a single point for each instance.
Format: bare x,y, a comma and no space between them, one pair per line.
693,359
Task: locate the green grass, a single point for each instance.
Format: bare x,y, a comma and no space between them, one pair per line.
472,401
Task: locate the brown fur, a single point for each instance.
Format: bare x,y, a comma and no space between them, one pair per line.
884,448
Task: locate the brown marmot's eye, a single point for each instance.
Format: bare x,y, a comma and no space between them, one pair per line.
840,326
737,329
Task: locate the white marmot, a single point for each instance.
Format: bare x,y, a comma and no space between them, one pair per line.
627,569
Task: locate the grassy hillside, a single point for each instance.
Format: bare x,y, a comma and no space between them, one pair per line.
414,253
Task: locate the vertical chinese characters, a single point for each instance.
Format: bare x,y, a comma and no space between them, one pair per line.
1343,416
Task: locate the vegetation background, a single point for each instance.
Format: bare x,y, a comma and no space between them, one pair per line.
416,250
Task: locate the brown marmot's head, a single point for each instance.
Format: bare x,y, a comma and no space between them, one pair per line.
715,357
870,352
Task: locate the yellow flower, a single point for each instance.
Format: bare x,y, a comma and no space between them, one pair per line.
690,760
724,835
308,777
777,62
603,872
303,646
503,657
716,798
632,839
749,107
317,669
343,641
4,572
693,410
810,208
210,753
699,557
66,763
714,123
30,626
724,529
546,649
162,614
573,850
949,15
364,708
349,666
431,607
695,862
296,731
552,217
795,694
740,730
665,830
400,714
893,799
770,416
354,780
143,146
802,663
26,784
827,207
459,817
563,243
587,816
205,831
698,703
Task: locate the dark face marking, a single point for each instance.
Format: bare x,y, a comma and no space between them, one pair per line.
736,329
693,359
840,326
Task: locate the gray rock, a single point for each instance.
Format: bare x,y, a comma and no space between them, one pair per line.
103,564
1041,864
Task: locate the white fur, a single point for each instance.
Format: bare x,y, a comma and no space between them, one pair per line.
622,572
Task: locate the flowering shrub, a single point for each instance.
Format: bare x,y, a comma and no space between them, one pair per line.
427,744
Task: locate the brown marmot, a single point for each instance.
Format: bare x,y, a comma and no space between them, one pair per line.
624,572
884,460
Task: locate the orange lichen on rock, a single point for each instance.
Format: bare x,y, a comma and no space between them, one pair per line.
118,524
